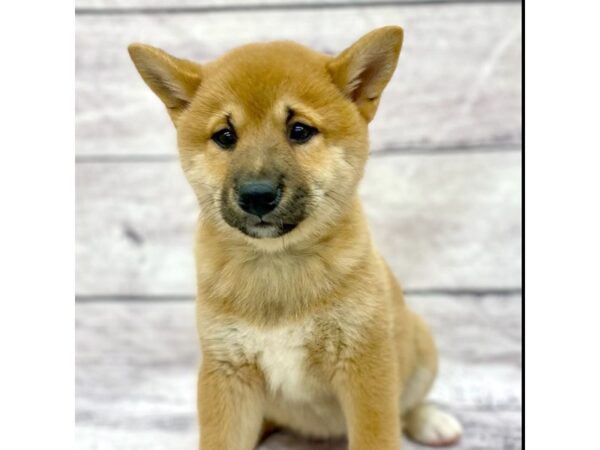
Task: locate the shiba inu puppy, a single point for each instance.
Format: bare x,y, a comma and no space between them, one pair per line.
302,325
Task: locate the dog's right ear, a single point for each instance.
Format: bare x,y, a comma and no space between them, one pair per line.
173,80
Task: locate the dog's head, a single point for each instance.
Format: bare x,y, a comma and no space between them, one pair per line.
273,137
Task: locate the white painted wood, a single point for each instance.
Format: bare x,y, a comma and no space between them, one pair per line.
136,369
442,221
458,82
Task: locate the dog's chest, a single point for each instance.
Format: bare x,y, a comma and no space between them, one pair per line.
282,355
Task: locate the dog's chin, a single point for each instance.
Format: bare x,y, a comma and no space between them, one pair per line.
264,230
272,226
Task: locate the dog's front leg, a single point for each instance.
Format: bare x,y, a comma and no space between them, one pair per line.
230,405
368,392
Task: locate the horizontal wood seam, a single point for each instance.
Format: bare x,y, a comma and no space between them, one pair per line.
86,11
450,292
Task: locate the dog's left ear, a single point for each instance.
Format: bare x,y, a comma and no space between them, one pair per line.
363,70
173,80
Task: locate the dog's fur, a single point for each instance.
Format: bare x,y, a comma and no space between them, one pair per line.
302,325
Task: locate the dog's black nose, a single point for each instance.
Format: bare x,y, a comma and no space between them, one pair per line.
259,197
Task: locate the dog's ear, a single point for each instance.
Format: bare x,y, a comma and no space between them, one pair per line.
173,80
363,70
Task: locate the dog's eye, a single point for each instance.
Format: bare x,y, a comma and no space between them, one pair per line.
225,138
300,132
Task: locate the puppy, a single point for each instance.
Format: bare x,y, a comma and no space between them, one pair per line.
302,325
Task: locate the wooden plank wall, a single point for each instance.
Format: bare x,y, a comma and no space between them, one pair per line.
456,85
444,221
442,192
447,135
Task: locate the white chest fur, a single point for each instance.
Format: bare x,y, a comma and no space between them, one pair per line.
280,353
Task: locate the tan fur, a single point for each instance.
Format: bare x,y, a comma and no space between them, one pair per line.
306,330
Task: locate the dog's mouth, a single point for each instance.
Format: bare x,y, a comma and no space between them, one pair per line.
267,229
270,226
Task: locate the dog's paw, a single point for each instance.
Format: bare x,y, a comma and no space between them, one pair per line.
429,425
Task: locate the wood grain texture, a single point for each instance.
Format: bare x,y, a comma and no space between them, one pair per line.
442,221
136,367
458,82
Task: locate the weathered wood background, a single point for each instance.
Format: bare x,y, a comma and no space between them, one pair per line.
442,192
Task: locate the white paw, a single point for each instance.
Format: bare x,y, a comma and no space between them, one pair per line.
431,426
